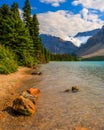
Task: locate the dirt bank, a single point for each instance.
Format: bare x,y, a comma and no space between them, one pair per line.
10,87
10,83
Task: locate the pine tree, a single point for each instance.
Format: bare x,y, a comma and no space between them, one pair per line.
23,42
27,15
5,11
36,39
6,25
33,25
15,35
15,11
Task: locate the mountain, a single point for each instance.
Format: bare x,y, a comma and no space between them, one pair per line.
71,45
57,45
87,33
82,37
94,45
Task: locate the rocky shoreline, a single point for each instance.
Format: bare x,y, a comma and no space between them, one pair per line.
11,87
50,108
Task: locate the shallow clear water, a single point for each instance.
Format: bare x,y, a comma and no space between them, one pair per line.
85,108
89,75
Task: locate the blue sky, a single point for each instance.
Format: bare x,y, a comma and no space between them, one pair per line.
41,7
65,18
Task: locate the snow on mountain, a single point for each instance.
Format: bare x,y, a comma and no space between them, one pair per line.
78,41
81,37
94,45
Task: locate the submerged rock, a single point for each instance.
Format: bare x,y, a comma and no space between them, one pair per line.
67,90
75,89
36,73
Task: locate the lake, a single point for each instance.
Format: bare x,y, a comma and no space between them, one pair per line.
62,111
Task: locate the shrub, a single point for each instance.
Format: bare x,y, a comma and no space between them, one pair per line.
8,63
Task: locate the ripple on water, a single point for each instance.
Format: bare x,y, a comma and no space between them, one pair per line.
65,110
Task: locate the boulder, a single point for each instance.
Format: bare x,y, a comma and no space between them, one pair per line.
26,103
75,89
32,98
34,92
80,128
24,106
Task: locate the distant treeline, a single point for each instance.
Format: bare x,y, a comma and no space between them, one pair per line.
94,58
64,57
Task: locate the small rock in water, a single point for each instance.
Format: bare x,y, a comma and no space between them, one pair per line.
67,90
75,89
36,73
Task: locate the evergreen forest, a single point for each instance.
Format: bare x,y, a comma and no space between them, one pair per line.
20,44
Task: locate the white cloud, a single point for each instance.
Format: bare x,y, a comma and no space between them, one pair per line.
89,16
93,4
63,23
84,13
54,3
21,14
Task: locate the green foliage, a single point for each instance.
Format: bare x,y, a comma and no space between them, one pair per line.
21,37
47,55
15,11
8,62
15,35
27,59
27,14
35,27
5,11
36,39
22,42
6,25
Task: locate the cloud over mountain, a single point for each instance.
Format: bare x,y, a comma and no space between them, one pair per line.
64,23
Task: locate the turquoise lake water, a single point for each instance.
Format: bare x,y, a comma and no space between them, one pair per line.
85,108
89,74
